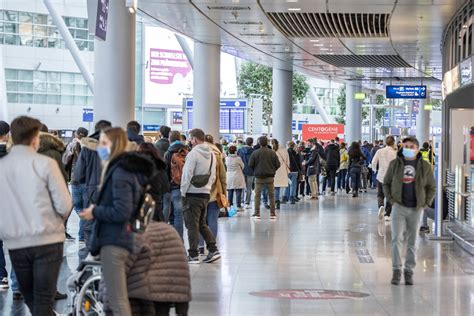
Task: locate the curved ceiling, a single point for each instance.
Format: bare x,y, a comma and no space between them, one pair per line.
339,39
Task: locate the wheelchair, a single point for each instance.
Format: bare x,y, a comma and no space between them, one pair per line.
83,286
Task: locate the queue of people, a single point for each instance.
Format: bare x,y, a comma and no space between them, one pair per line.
190,181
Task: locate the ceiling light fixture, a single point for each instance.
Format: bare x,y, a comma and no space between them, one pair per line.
314,40
323,48
318,45
294,9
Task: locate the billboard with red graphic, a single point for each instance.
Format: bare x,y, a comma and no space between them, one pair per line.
324,132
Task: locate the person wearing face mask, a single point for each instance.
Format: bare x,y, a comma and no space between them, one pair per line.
410,187
124,178
33,188
380,163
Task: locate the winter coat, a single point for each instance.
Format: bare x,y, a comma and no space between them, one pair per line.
198,162
333,159
366,152
174,148
425,186
163,144
70,157
295,160
313,164
53,147
88,168
264,163
220,170
159,271
281,176
34,198
245,153
356,161
344,158
135,138
120,195
159,185
382,160
235,175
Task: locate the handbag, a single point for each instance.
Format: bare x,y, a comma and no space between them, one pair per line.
221,198
201,180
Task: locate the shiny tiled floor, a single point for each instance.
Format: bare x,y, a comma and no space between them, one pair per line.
315,245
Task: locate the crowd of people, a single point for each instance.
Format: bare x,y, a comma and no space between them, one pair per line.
193,180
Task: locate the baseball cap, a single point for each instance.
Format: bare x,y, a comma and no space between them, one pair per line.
4,128
81,131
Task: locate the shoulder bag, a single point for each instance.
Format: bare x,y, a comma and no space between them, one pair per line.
202,180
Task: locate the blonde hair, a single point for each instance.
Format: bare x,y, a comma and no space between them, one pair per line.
119,140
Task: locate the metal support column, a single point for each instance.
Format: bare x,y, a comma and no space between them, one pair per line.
353,112
423,123
282,104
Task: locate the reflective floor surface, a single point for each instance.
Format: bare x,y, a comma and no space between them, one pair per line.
330,257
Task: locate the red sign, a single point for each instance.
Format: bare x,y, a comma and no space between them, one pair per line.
324,132
310,294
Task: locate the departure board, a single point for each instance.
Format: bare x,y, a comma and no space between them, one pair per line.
231,121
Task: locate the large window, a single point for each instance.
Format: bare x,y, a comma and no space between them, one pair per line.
38,30
46,87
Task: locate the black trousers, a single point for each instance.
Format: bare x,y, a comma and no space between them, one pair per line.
332,177
37,271
381,199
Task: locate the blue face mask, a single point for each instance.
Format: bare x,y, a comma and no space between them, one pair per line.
103,152
409,153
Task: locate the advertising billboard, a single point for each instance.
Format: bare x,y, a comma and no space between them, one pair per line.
324,132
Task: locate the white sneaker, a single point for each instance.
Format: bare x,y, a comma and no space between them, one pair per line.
388,218
381,212
247,206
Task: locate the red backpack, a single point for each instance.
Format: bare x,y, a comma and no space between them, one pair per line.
177,165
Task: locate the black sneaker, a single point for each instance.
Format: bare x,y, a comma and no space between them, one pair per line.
69,237
408,277
267,206
60,296
424,230
193,260
212,256
4,284
202,250
396,278
17,296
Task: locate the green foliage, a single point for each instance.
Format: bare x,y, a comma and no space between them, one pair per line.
341,102
379,112
255,80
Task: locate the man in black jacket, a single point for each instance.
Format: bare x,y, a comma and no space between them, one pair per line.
164,143
295,170
133,132
264,163
332,162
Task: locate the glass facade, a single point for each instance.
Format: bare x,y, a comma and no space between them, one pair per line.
46,87
38,30
328,99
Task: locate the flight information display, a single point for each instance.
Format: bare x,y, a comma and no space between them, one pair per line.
231,121
406,92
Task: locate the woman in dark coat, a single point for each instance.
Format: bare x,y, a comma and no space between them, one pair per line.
356,161
122,188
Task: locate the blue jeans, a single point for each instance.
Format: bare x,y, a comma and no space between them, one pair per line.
77,193
355,178
278,193
14,286
341,179
248,189
3,264
174,198
265,194
405,227
211,218
291,189
230,195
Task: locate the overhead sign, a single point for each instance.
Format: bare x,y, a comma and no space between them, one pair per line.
223,103
359,96
310,294
101,19
231,120
406,92
88,115
324,132
151,128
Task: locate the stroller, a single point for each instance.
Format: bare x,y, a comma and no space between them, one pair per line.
83,287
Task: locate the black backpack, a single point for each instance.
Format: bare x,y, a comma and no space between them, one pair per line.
144,214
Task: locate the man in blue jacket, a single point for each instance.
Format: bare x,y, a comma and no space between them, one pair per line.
245,153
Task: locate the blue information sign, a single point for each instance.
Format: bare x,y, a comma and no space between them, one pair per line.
223,103
406,92
88,115
151,127
101,20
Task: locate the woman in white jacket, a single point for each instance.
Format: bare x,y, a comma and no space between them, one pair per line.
235,176
281,176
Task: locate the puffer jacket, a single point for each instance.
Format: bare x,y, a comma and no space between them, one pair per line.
159,271
121,192
425,185
53,147
88,168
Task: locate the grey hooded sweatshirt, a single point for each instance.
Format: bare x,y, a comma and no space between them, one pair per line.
197,163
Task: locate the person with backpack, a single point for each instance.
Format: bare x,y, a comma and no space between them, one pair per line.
199,174
343,166
244,153
333,161
356,163
35,244
70,157
175,158
122,188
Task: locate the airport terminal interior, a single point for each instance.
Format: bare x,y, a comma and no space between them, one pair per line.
236,157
